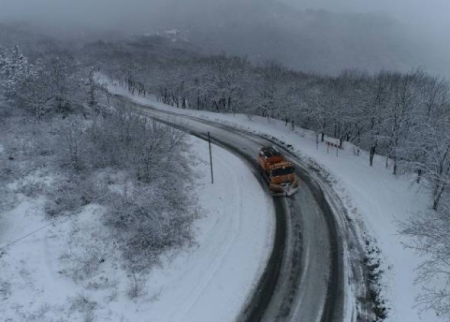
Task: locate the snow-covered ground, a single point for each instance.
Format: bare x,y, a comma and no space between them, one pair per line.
375,199
207,282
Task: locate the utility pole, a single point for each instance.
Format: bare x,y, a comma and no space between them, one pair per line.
210,158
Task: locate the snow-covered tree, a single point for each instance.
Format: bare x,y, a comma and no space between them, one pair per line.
15,70
429,237
92,88
3,60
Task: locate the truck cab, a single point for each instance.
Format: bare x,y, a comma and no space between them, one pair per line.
277,171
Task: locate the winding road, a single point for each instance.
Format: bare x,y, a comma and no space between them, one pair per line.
315,272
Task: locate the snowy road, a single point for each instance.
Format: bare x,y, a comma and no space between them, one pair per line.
308,274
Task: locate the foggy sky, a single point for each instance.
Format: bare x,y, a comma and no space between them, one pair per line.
431,16
428,19
134,15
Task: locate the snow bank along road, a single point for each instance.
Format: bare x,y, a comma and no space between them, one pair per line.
310,275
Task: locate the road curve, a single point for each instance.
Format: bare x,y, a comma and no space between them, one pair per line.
307,275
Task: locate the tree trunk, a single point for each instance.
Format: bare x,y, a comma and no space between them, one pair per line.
306,123
419,175
435,204
437,194
372,154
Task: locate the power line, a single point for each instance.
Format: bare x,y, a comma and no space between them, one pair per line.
23,237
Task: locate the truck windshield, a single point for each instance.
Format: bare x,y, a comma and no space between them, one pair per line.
282,171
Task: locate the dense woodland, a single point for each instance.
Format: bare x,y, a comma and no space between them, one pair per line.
54,119
402,116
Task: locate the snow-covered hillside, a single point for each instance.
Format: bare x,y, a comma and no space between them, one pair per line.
375,199
208,282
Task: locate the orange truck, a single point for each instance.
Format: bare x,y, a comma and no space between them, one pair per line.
278,172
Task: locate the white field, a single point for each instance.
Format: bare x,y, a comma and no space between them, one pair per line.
207,282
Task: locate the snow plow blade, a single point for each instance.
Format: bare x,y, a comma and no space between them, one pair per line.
284,190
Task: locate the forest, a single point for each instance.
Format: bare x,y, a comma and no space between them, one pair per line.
404,117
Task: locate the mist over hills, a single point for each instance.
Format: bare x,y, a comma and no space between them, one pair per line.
315,41
312,40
